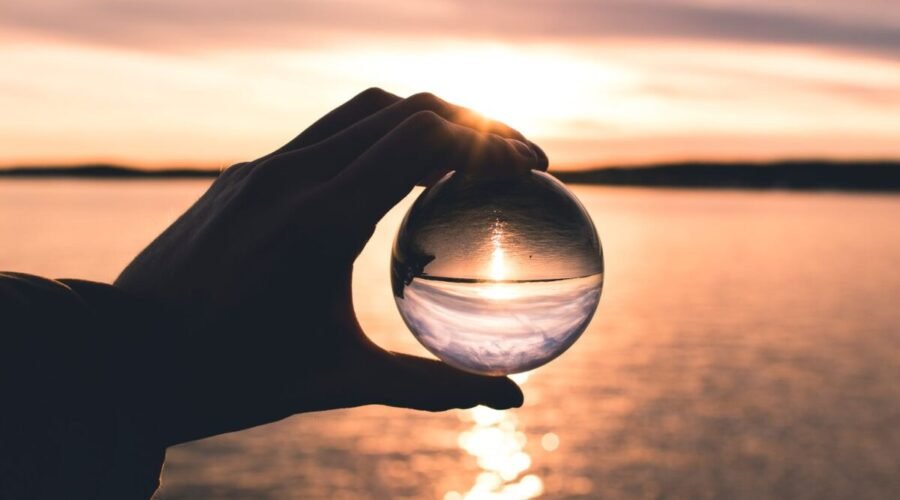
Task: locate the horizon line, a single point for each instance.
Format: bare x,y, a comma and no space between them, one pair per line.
98,167
808,175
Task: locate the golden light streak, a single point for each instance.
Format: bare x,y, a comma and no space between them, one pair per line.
498,445
498,268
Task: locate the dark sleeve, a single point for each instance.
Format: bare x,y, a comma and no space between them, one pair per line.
76,384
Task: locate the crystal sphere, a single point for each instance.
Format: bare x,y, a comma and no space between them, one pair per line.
497,276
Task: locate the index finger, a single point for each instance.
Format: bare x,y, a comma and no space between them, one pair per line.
423,145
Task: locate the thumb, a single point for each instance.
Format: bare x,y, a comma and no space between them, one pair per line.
425,384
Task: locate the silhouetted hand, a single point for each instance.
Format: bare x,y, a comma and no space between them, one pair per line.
258,270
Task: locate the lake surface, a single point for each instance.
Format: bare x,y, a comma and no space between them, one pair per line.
747,345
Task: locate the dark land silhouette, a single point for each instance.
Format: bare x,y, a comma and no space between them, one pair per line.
799,175
104,171
879,175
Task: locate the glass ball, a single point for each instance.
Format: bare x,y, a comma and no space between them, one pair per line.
497,276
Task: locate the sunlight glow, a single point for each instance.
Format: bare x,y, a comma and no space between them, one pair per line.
498,264
498,268
585,103
533,88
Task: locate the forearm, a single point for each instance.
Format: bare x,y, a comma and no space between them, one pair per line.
71,424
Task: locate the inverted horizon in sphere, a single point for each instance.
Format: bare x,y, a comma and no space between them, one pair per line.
499,328
497,277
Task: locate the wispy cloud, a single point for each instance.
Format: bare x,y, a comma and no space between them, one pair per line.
216,81
872,27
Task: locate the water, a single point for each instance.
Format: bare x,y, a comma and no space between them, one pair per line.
496,327
747,346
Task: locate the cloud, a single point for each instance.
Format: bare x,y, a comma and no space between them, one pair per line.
208,24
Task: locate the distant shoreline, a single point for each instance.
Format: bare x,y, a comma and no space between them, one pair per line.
872,176
107,171
875,176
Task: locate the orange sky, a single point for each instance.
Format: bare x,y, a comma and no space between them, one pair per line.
595,82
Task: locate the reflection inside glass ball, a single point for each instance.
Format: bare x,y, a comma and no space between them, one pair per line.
497,276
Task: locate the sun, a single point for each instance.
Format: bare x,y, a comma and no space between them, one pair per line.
527,91
534,89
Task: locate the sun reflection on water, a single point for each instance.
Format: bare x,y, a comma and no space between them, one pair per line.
498,262
498,267
498,445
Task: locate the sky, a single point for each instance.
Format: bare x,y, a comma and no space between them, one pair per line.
595,82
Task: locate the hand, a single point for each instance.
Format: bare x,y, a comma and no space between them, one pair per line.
260,266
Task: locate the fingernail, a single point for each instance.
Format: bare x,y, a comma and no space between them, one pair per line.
524,150
541,155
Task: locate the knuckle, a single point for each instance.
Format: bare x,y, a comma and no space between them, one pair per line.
258,175
373,94
426,123
266,173
502,149
237,167
426,101
235,172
